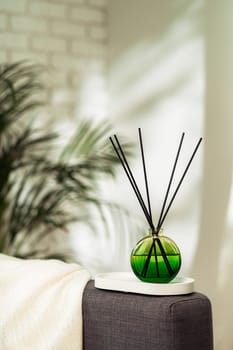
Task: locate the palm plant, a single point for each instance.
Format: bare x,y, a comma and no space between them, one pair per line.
42,188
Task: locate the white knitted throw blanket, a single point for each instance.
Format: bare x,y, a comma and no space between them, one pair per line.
41,304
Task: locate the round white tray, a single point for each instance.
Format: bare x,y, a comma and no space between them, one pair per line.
128,282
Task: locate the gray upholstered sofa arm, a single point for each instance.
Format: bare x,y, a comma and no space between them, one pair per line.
121,321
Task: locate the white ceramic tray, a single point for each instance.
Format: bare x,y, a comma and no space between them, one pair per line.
127,282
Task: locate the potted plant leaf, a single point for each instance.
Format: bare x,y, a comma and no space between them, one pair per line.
44,188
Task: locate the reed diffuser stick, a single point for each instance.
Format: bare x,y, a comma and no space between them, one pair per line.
154,233
144,171
170,181
146,265
156,259
120,153
179,184
156,245
162,218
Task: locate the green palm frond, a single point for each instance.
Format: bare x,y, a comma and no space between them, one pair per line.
25,149
90,146
18,87
42,189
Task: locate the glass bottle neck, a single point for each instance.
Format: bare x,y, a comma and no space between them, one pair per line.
154,233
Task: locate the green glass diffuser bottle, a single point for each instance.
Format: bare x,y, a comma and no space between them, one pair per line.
156,258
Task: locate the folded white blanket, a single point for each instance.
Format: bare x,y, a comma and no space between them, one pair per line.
41,304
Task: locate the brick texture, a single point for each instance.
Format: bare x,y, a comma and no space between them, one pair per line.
3,22
49,43
28,24
13,40
68,30
12,6
98,33
100,3
3,56
87,14
47,9
69,37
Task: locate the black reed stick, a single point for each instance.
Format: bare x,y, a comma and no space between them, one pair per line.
137,191
144,170
179,184
123,160
130,176
167,263
156,258
146,265
120,153
170,182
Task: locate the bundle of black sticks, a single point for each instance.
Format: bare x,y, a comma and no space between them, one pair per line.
147,210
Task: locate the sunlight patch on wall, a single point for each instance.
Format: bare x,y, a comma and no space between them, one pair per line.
93,97
226,259
88,97
153,70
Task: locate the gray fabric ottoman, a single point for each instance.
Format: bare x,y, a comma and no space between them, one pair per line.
124,321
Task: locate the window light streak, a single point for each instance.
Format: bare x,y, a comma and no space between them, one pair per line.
226,259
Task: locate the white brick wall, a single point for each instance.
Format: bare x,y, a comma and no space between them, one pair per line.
3,56
47,9
13,40
68,61
74,2
88,48
98,33
67,29
100,3
69,37
3,22
36,57
49,43
28,24
12,6
87,14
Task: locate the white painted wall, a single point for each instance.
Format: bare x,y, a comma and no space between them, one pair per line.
171,71
68,37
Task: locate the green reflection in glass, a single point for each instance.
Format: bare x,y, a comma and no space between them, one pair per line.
156,259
